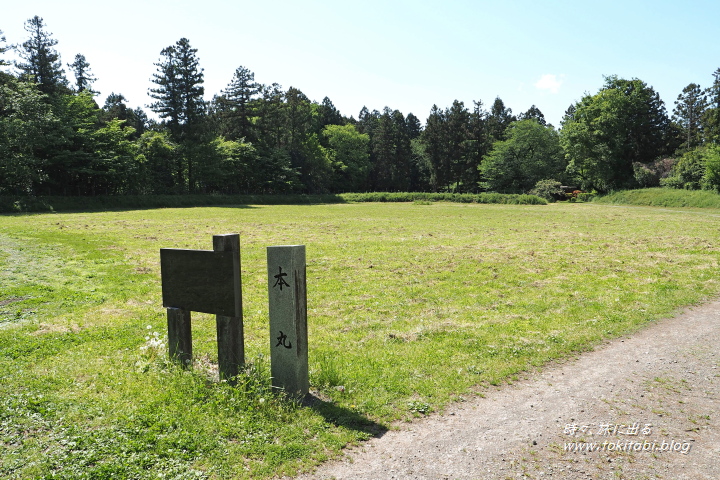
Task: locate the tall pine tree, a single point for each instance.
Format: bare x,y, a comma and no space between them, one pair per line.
83,76
711,119
41,61
179,92
3,50
234,107
688,113
179,101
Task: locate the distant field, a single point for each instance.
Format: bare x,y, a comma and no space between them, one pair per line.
410,307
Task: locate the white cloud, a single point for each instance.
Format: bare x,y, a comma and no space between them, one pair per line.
550,82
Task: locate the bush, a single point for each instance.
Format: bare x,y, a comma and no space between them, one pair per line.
586,197
548,189
689,170
711,179
652,174
671,182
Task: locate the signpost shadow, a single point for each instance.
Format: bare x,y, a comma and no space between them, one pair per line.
344,417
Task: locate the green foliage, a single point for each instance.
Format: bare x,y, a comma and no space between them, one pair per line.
491,197
28,129
83,76
586,197
695,169
349,156
548,189
499,119
689,111
179,92
4,48
159,156
238,159
710,121
262,139
234,107
606,133
688,171
454,142
530,153
652,174
42,63
116,109
711,178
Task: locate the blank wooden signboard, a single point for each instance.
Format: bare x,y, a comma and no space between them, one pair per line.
201,281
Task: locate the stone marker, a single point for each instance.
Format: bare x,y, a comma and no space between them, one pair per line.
205,281
288,318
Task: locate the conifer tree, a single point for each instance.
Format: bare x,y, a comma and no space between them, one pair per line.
234,106
711,118
42,61
179,92
179,101
533,113
83,76
3,50
689,110
328,114
499,119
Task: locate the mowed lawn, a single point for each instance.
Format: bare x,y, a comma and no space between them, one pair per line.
410,307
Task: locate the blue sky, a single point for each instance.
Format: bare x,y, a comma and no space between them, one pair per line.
407,55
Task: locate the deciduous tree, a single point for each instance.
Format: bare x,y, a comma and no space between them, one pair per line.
348,151
624,123
530,153
28,132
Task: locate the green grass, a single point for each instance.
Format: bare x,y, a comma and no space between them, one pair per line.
411,306
663,197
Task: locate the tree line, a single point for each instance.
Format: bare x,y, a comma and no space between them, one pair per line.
55,139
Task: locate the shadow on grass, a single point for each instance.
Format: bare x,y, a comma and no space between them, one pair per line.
344,417
21,205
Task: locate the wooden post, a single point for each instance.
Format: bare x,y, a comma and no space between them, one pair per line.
230,336
179,336
288,318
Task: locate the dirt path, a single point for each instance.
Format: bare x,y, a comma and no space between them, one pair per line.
661,386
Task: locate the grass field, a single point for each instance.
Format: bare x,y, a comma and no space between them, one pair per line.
410,307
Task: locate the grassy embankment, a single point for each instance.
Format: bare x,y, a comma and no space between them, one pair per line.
663,197
411,306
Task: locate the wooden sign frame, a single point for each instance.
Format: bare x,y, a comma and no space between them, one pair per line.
205,281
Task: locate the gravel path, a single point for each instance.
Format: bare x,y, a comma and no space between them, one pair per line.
660,386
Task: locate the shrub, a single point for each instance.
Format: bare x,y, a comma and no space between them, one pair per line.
548,189
586,197
652,174
688,171
711,179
